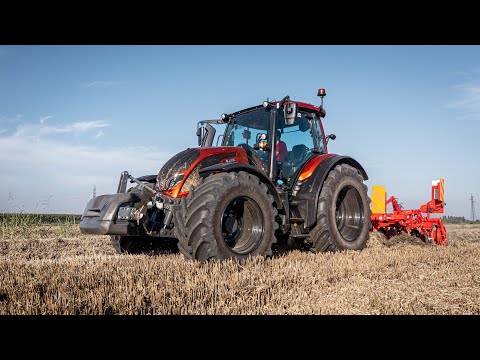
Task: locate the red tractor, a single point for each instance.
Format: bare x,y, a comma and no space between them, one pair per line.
271,178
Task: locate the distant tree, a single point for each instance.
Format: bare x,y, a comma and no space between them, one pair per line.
450,219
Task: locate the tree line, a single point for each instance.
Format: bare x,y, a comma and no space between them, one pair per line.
458,220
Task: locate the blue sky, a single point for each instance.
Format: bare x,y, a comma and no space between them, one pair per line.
72,117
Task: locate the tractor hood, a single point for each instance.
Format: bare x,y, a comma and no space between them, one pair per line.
181,172
177,165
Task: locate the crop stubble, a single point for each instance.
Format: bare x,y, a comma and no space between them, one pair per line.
48,273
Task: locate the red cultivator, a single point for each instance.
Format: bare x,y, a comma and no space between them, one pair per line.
410,221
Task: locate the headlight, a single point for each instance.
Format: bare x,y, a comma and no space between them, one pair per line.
166,184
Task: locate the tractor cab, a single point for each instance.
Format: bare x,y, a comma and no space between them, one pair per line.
276,144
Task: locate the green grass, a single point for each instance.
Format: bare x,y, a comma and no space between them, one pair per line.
38,219
14,225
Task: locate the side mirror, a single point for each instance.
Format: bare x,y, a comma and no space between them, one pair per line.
304,125
200,135
331,136
291,112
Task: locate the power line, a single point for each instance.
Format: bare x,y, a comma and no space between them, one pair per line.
472,208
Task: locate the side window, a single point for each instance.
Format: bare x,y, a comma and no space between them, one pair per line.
318,129
303,140
298,136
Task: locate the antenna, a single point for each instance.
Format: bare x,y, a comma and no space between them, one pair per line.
94,190
472,208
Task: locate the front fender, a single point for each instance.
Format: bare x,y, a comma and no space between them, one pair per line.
309,192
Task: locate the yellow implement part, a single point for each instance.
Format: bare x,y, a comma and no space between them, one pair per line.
438,189
441,195
379,197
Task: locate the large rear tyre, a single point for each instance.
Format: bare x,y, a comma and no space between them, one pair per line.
228,215
343,213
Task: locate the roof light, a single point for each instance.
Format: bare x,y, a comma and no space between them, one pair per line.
321,92
225,117
265,104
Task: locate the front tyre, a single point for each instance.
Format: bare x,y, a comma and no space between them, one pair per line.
343,213
228,215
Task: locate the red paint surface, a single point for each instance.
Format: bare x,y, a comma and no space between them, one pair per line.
240,157
311,165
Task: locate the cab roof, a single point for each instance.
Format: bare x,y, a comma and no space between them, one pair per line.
301,105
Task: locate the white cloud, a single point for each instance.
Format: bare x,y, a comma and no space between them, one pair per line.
88,125
35,168
37,163
11,120
34,131
45,118
102,83
467,99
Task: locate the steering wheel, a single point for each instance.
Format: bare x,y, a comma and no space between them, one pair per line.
258,159
246,147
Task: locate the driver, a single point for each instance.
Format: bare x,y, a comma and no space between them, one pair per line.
281,148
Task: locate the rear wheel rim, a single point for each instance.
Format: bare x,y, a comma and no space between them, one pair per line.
349,214
242,225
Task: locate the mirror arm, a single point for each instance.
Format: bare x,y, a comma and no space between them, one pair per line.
284,100
331,136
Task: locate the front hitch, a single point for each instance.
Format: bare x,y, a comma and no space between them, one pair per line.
122,184
117,214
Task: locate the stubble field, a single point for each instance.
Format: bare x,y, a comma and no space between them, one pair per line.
57,270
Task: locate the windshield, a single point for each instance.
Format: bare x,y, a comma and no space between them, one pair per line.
243,129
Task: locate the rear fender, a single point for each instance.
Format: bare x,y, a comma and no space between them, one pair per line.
310,188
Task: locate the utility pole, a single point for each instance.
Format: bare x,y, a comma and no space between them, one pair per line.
94,190
472,208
